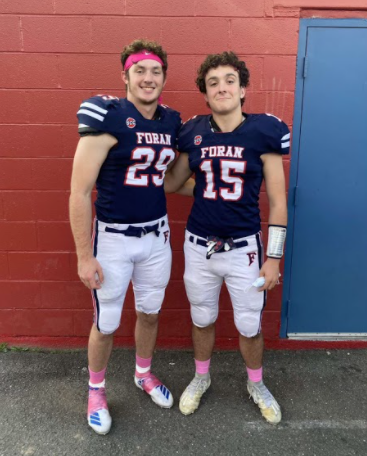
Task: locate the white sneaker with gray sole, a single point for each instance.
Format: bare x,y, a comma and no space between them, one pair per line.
190,398
268,406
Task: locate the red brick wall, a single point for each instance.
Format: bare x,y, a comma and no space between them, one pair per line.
53,54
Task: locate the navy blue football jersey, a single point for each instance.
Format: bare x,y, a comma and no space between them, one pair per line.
130,181
229,172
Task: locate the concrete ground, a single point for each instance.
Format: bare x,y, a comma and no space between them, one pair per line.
323,395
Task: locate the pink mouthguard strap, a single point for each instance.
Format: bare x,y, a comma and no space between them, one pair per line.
143,55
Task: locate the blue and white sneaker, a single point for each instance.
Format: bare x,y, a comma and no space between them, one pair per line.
99,418
159,393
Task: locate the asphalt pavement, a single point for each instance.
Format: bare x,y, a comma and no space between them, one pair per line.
323,395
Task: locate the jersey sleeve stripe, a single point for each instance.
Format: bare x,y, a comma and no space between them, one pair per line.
287,136
284,145
86,104
91,114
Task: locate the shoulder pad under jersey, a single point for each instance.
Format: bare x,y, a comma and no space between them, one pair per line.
95,112
173,115
189,130
275,132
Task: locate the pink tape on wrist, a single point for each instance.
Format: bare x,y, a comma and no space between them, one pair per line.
255,375
143,55
202,367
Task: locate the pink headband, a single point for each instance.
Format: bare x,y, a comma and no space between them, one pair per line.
143,55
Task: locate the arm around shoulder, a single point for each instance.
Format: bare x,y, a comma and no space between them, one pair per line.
177,174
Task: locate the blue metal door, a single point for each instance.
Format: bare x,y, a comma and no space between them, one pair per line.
325,292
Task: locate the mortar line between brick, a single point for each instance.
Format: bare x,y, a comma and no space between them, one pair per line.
101,54
37,235
202,16
28,89
58,72
21,33
91,34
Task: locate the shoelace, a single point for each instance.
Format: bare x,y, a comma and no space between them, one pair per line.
265,394
197,384
97,400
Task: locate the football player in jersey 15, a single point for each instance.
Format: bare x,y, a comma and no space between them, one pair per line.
125,147
230,153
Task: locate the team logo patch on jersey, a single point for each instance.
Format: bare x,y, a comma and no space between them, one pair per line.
197,140
130,122
251,257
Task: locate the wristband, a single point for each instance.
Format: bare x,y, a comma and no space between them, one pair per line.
276,241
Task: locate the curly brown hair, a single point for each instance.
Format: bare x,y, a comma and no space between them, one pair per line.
141,45
223,59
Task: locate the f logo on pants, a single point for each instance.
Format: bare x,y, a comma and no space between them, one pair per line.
251,257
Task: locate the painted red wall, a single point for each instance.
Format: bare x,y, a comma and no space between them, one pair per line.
55,53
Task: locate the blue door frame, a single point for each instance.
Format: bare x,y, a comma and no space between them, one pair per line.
301,72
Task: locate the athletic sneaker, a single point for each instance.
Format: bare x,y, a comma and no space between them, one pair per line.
99,418
269,407
156,390
190,398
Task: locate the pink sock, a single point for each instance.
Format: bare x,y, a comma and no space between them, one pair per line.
202,367
96,377
255,375
142,367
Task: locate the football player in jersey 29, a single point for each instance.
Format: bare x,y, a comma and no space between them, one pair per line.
125,147
230,152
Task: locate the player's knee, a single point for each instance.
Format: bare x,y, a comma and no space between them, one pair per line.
99,334
108,320
203,316
146,319
106,333
149,302
107,329
247,326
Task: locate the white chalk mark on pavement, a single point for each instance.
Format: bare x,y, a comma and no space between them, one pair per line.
307,424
